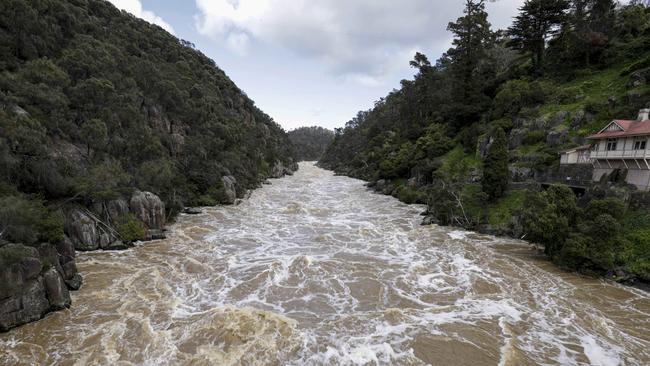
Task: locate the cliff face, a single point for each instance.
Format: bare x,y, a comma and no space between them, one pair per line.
109,126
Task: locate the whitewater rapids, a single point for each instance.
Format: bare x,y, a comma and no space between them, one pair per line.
317,270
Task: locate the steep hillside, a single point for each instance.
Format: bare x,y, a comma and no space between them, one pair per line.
473,134
108,127
310,143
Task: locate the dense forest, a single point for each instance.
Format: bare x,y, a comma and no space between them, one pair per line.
95,102
109,126
309,143
490,116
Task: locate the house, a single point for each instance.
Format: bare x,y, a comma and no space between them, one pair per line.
577,155
624,146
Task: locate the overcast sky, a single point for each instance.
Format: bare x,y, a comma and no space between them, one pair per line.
314,62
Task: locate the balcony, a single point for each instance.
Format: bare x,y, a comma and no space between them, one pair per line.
620,154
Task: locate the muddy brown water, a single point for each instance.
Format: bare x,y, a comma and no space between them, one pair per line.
317,270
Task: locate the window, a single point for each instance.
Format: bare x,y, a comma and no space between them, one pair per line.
611,144
640,144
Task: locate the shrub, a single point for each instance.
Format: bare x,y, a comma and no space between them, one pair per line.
130,228
28,221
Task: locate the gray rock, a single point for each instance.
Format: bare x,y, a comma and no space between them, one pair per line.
30,305
230,192
69,270
520,174
56,289
66,251
117,208
11,280
117,245
31,268
192,211
149,208
558,118
557,137
517,137
429,220
82,230
380,185
75,282
155,235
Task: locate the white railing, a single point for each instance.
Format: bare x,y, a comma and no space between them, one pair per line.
620,154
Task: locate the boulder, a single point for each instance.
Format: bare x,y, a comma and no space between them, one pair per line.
31,268
557,137
149,208
12,279
56,289
230,192
520,174
558,118
579,118
429,220
517,137
117,208
279,170
75,282
82,231
380,185
192,211
30,305
66,251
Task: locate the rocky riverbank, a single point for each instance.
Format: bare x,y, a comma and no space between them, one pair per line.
35,281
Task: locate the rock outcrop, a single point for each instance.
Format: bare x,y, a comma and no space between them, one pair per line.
33,282
86,233
230,192
149,209
279,170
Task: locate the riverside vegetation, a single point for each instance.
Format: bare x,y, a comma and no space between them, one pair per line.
309,143
109,126
489,118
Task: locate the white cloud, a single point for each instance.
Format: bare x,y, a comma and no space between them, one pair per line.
359,40
135,7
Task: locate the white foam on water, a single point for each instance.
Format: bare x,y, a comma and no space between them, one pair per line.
598,356
319,267
458,235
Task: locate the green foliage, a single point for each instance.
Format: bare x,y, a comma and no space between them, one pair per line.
130,228
537,20
495,167
515,95
90,114
310,143
95,133
13,253
104,181
28,221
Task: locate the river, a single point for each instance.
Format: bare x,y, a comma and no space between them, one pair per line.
317,270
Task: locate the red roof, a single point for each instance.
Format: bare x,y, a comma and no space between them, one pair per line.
630,128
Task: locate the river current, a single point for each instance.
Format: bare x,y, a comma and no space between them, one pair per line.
315,269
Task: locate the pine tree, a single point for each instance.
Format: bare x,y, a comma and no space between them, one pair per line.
495,167
472,39
537,20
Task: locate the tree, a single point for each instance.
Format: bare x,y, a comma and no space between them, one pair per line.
537,20
94,133
495,167
472,38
